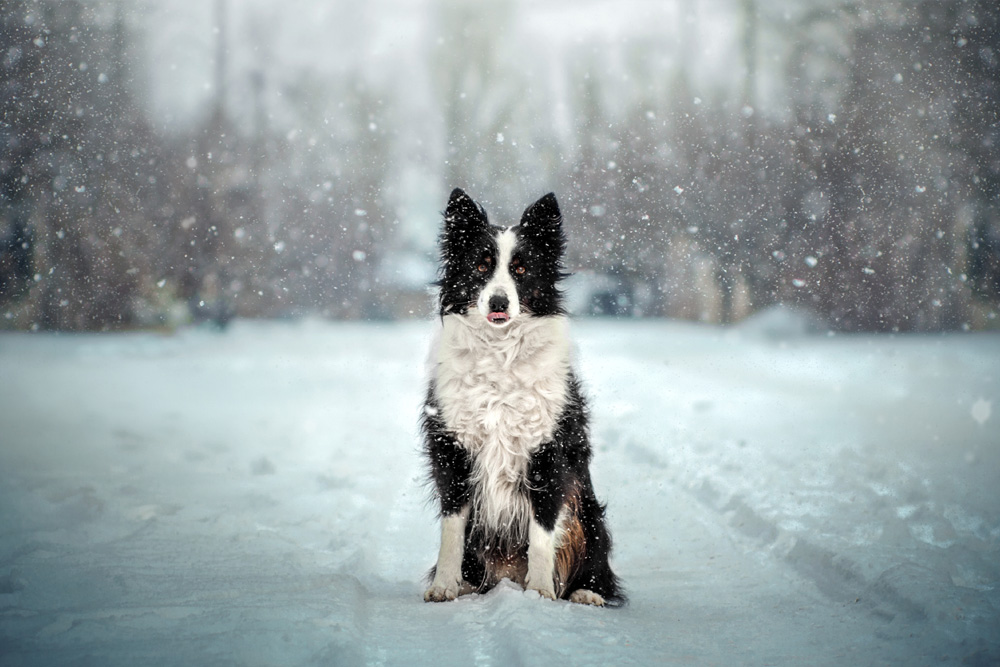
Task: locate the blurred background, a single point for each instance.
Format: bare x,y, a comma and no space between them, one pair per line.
167,163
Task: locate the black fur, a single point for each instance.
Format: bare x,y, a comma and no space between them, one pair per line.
558,473
450,465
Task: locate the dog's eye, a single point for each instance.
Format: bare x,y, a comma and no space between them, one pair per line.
520,270
483,268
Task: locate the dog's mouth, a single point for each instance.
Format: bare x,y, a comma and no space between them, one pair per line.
498,318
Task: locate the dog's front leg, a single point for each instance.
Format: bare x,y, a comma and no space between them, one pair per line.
546,493
448,573
541,560
450,469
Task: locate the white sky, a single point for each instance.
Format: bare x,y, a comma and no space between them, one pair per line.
389,42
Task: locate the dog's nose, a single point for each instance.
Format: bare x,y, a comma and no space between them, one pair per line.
499,303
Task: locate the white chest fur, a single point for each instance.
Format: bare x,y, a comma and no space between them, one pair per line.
501,392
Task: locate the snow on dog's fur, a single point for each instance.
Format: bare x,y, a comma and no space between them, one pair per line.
505,422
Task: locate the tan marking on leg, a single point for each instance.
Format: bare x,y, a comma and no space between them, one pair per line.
572,544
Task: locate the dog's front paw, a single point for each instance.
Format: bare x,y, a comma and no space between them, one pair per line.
546,591
442,592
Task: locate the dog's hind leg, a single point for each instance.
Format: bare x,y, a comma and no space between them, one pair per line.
583,596
594,582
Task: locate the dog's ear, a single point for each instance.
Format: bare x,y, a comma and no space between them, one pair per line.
543,221
543,215
463,212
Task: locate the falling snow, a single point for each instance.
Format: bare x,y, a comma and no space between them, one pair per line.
783,252
981,411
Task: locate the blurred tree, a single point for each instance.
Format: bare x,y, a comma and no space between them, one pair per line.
19,108
894,163
478,92
969,33
69,121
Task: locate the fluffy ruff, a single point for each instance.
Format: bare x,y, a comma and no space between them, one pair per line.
505,422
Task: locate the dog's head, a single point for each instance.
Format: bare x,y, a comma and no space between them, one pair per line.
501,273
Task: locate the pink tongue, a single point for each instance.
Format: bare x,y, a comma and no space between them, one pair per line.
498,317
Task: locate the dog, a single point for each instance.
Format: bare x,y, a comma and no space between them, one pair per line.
505,422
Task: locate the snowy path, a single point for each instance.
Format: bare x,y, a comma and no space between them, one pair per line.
255,498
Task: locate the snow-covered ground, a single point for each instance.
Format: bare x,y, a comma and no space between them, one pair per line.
256,497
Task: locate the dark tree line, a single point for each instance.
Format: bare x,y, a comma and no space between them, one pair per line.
871,195
872,201
107,222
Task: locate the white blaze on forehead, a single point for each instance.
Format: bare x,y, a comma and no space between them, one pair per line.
506,242
501,282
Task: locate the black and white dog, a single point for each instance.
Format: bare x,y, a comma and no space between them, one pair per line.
505,421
